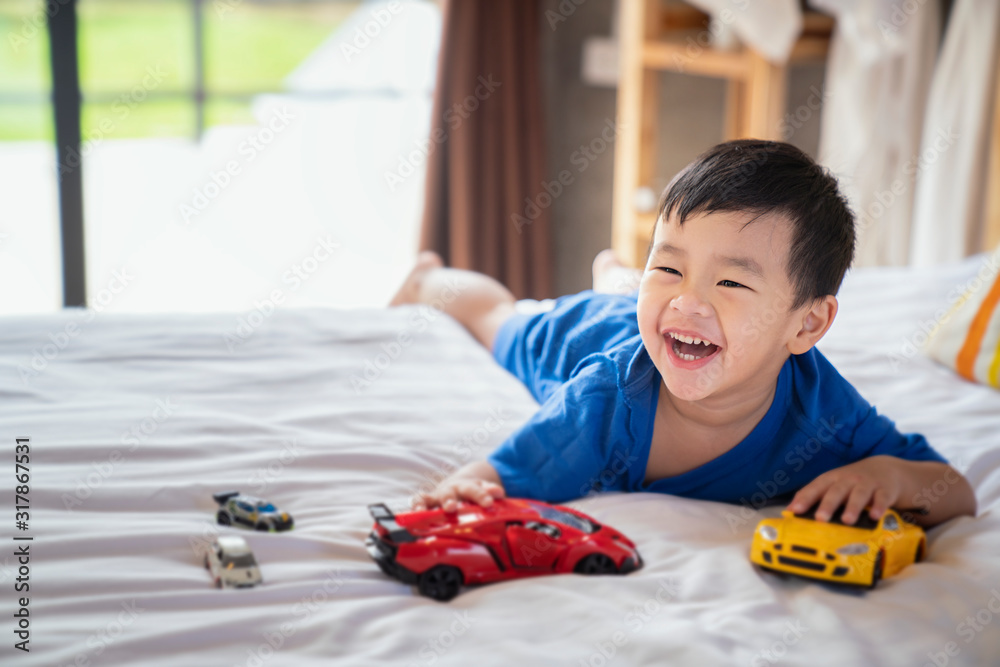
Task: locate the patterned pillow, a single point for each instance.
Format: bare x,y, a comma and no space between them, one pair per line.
968,337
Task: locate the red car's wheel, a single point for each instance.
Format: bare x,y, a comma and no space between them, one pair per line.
596,564
440,582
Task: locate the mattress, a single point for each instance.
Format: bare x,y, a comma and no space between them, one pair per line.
134,421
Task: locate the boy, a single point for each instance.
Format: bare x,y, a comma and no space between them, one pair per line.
705,383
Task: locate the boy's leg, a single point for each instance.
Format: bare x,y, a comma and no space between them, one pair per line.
478,302
613,277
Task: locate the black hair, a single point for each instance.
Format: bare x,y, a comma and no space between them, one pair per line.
773,177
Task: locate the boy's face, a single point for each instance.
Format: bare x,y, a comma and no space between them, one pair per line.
725,283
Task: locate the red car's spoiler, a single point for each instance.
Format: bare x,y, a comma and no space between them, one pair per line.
384,517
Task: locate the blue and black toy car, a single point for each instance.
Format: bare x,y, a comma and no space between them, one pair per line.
252,512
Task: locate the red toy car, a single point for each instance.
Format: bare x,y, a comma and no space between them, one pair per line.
439,552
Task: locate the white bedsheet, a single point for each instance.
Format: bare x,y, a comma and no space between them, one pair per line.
118,579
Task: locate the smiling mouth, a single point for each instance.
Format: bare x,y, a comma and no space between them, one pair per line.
691,349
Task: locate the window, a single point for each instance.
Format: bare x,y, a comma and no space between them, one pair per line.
30,263
234,152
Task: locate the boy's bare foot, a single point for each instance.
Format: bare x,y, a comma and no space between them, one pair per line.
409,291
613,277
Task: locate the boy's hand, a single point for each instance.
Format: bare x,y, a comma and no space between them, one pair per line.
875,481
449,492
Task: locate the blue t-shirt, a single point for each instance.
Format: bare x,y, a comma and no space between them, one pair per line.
585,363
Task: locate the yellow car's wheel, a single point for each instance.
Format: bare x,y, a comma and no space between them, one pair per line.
877,571
920,552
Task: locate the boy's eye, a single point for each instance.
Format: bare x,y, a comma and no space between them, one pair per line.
724,283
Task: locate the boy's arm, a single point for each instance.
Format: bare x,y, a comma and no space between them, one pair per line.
477,481
887,481
559,453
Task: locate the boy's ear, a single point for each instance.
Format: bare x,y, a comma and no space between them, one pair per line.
814,324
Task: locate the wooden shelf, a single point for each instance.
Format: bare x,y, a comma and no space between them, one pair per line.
656,39
673,56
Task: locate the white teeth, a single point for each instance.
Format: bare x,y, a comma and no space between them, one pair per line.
686,357
689,339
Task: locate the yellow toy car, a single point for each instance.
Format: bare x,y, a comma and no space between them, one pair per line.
859,554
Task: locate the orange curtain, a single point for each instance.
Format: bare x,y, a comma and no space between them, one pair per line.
487,205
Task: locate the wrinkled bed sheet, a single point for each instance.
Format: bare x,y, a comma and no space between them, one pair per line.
135,420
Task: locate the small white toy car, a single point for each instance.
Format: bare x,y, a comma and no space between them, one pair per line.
231,563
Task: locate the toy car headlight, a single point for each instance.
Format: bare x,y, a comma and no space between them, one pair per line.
769,533
855,549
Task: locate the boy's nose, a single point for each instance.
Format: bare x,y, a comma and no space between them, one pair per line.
690,304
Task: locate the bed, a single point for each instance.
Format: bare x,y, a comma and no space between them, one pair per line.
136,420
